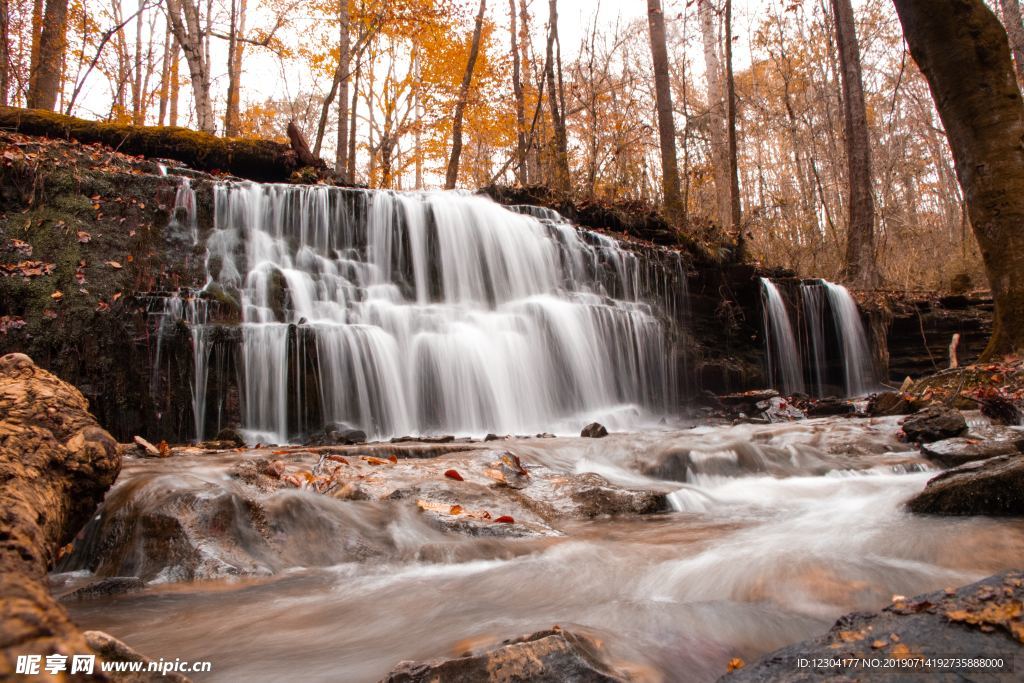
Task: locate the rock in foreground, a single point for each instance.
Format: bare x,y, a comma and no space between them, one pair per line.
934,423
983,620
55,465
989,487
552,656
594,430
980,444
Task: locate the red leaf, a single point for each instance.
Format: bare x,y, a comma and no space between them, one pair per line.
452,474
505,519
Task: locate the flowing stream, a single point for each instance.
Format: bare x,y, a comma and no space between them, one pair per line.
776,531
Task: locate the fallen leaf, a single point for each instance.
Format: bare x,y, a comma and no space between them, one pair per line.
84,237
736,663
57,295
505,519
455,510
393,458
452,474
114,264
374,461
164,449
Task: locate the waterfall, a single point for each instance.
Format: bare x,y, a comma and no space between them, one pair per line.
783,354
433,313
185,207
857,364
813,296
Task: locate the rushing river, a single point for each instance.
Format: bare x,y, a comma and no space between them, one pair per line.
777,531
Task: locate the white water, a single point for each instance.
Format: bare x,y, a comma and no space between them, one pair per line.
813,296
429,313
857,364
784,367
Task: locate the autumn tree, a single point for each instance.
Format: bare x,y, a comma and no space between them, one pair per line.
984,120
860,231
452,174
48,59
192,34
666,123
560,173
717,113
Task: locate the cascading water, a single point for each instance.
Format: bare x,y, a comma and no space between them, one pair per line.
431,312
784,367
813,296
857,365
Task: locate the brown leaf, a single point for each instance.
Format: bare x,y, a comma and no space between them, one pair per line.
455,510
736,663
114,264
57,295
83,237
505,519
164,449
393,458
374,461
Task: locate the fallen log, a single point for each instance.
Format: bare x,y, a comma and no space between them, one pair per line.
56,463
254,159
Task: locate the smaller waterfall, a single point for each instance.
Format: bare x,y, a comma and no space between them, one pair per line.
813,296
857,364
185,207
784,367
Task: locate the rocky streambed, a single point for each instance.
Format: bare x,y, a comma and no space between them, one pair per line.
666,555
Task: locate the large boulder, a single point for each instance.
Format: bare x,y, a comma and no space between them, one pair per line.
979,444
551,656
56,464
987,487
889,403
934,423
594,430
981,621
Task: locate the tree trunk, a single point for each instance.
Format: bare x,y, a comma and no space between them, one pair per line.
560,179
165,77
137,96
46,69
666,123
350,173
341,154
860,262
5,51
236,49
983,115
716,114
517,89
172,105
193,39
452,175
734,167
1015,32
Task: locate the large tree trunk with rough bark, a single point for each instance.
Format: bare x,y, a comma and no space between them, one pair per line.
963,51
236,51
860,232
666,123
56,464
46,68
452,175
734,166
1015,31
5,51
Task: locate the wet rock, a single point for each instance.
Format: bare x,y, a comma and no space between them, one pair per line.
934,423
595,496
550,656
826,407
987,487
746,402
982,620
889,403
113,650
232,435
174,528
594,430
114,585
337,434
56,464
979,444
148,449
445,438
778,409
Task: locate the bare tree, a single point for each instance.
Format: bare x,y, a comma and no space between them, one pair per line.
49,58
860,231
236,48
560,177
734,168
517,90
717,113
5,51
452,174
666,124
984,120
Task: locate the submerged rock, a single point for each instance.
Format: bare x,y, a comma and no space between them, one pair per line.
113,650
594,430
552,656
979,444
934,423
987,487
982,621
56,464
231,435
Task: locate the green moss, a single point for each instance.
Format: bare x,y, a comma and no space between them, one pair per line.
72,205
